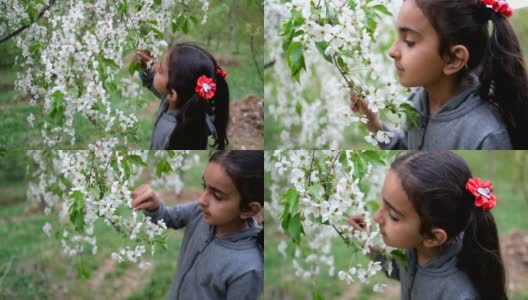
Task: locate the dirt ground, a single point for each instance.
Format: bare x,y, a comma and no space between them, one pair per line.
514,250
246,127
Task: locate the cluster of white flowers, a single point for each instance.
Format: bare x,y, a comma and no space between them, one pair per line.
324,217
315,111
70,62
102,179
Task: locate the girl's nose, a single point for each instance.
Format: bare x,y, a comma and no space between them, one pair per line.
378,216
202,200
393,51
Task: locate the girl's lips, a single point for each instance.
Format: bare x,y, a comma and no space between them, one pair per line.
205,214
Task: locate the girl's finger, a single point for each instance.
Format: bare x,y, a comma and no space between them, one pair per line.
139,190
140,199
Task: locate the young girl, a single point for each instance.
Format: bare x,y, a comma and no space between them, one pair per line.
194,98
473,86
433,208
221,256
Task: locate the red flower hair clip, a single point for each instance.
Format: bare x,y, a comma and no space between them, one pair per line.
205,87
499,6
221,72
483,192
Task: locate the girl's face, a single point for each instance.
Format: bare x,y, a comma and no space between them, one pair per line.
220,200
399,223
161,74
415,51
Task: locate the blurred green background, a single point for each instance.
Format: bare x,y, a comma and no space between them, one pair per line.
508,171
233,34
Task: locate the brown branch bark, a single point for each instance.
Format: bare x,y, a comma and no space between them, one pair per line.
19,30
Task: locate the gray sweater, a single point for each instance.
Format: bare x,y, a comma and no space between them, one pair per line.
167,121
439,279
466,121
211,268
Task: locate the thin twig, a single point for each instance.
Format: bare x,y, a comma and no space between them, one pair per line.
253,53
19,30
310,171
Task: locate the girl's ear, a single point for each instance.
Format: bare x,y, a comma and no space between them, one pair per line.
172,96
457,60
253,210
438,238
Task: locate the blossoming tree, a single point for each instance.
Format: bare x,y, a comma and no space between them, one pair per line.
72,52
82,187
320,51
313,194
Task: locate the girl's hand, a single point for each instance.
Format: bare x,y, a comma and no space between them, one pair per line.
358,223
145,198
360,106
145,58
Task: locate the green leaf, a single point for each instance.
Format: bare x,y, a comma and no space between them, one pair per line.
134,66
291,200
381,8
76,211
372,206
298,109
295,229
110,62
343,158
32,13
82,271
411,114
127,168
178,23
136,159
295,57
321,46
163,167
57,108
374,157
161,241
185,26
157,2
400,258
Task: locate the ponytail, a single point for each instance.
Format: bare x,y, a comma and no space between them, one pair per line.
504,80
191,131
221,112
480,257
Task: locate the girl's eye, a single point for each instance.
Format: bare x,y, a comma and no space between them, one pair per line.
393,218
409,43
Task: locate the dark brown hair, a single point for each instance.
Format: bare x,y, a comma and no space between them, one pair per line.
495,57
435,183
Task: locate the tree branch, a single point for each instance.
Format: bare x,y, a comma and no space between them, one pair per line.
19,30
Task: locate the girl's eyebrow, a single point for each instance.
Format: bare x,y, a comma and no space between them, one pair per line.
405,29
216,190
392,207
